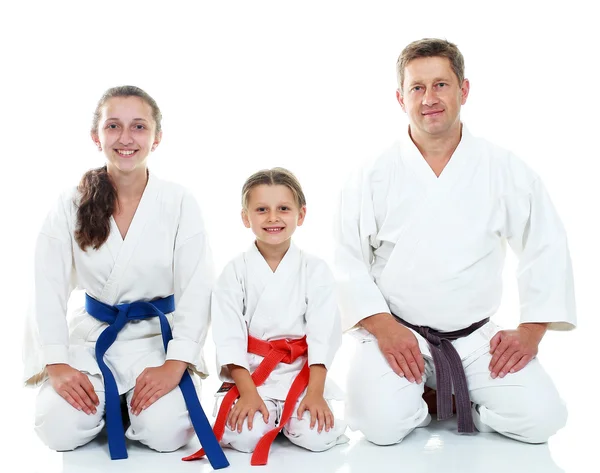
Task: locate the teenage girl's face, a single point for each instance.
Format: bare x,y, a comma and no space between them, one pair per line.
273,215
126,133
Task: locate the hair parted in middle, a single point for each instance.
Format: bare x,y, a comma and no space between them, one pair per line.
431,47
273,177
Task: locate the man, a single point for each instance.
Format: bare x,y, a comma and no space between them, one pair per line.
421,245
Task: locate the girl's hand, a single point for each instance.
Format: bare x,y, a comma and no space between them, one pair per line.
246,406
319,411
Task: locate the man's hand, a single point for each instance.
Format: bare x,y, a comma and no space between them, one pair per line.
154,383
513,349
398,345
74,386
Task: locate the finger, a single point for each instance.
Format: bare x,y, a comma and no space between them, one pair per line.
413,366
321,419
265,413
498,352
145,398
67,397
250,418
404,367
233,415
394,365
87,385
155,397
136,401
313,418
328,420
240,421
301,409
496,339
90,407
523,362
512,361
77,398
140,384
416,353
502,360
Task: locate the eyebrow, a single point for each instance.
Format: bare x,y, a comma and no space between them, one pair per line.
262,204
437,79
134,120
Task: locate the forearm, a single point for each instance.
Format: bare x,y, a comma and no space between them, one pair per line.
243,380
378,323
316,382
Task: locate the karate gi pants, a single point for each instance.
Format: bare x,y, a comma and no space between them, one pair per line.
385,407
165,426
298,431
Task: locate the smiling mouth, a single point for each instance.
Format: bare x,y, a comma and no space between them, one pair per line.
126,153
273,229
432,113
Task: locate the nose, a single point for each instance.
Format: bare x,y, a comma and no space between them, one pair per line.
272,216
125,137
430,97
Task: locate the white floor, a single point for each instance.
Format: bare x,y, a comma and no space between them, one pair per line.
435,448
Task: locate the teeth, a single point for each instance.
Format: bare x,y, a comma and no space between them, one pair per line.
125,152
272,230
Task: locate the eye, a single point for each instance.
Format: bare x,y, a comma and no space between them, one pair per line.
417,88
261,209
284,208
111,126
442,84
139,127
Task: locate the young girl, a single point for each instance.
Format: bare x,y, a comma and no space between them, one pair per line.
276,328
138,247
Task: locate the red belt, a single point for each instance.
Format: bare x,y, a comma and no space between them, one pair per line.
274,352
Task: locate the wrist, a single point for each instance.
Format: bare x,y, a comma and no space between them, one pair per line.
378,323
176,366
536,329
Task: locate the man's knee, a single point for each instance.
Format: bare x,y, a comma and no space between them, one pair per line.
528,418
388,419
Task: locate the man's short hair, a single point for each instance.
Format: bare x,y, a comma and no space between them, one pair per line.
431,47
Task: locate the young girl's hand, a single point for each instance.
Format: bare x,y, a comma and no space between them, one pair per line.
246,406
319,411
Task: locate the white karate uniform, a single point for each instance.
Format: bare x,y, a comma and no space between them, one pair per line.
297,299
431,250
164,252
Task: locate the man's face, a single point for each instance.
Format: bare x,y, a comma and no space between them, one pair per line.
431,96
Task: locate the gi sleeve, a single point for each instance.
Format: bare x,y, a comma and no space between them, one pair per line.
53,283
193,280
358,295
230,332
545,275
323,324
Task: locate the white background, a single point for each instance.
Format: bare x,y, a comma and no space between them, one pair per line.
309,86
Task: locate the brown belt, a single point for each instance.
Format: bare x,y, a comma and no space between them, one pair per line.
449,372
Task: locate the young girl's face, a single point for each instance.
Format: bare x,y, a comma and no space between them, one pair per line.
273,214
126,132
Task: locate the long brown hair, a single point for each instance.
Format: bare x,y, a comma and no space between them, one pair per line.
97,192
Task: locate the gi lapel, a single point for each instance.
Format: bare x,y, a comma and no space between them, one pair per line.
123,249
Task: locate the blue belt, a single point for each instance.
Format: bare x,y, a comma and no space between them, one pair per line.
116,317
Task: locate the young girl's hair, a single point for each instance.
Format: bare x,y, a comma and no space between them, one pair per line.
97,192
272,177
